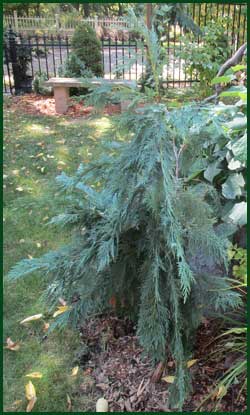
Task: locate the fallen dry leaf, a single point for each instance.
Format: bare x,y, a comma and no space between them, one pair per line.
31,404
62,301
222,390
35,375
169,379
69,403
191,362
15,172
87,371
14,346
32,318
75,371
30,391
156,376
113,301
60,310
102,386
46,327
17,402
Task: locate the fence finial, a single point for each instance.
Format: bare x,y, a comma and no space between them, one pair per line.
57,21
15,20
96,22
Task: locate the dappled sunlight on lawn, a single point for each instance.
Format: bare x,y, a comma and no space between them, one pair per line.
39,129
37,149
62,152
34,187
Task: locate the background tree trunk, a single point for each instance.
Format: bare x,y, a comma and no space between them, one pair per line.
86,9
119,9
76,6
149,10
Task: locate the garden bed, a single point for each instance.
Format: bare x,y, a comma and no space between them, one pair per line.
117,369
45,106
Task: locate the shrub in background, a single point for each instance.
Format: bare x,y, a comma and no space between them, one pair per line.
87,48
38,84
204,58
72,68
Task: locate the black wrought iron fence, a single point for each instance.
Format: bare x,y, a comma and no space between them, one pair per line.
47,53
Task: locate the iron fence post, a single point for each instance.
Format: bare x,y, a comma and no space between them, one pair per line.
13,59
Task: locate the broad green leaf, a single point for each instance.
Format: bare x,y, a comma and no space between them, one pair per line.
238,123
237,68
233,186
222,79
239,148
234,164
226,229
212,171
196,168
238,214
236,91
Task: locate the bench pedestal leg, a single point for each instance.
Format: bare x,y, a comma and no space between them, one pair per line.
61,95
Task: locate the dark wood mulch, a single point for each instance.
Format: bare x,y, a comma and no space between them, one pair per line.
119,371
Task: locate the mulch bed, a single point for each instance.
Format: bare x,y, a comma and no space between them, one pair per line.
45,106
120,372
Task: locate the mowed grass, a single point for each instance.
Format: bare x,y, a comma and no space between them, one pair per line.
36,149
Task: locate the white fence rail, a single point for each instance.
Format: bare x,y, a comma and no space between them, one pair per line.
57,24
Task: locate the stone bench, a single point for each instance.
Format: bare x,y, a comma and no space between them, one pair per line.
61,89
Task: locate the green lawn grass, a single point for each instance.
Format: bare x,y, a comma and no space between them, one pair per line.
36,149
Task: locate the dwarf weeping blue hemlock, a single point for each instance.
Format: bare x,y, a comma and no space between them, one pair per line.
145,235
138,239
